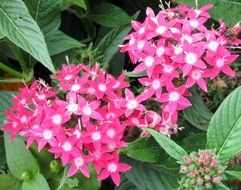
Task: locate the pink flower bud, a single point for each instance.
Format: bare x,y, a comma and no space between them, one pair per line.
216,179
199,181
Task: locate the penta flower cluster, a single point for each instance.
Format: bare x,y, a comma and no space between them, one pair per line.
84,121
200,170
177,50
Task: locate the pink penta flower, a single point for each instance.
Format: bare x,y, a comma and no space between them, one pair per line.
79,162
131,103
220,62
196,76
113,169
88,109
174,97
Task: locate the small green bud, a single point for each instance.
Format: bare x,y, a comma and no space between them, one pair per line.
55,166
26,176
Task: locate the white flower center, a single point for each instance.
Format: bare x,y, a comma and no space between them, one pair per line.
132,104
110,133
72,107
102,87
167,69
67,146
75,87
161,29
87,110
174,96
91,90
178,50
191,58
220,63
156,84
112,167
23,119
140,44
196,75
47,134
141,30
160,51
149,61
78,161
194,23
68,77
41,97
213,45
57,119
96,136
197,11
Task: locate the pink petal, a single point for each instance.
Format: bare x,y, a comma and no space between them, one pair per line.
183,101
123,167
227,70
85,171
41,144
103,175
202,84
72,170
96,115
116,178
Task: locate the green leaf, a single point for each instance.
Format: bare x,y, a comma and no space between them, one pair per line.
59,42
236,174
46,13
44,159
194,142
198,114
64,177
38,182
1,36
9,182
80,3
88,183
171,148
148,177
126,184
135,74
227,10
225,127
146,150
107,14
19,27
221,186
5,103
19,158
108,46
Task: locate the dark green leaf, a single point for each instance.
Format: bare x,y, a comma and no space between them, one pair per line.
236,174
109,15
108,46
38,182
126,184
9,182
225,127
80,3
171,148
19,158
59,42
194,142
5,103
134,74
221,186
148,177
89,183
19,27
46,13
44,160
227,10
198,114
146,150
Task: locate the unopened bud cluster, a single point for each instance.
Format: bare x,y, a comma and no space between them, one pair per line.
201,170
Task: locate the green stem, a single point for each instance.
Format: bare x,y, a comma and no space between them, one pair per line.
17,53
10,71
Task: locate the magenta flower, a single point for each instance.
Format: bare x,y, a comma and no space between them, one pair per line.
112,168
220,62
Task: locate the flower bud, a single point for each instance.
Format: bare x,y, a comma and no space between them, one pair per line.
55,166
26,176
